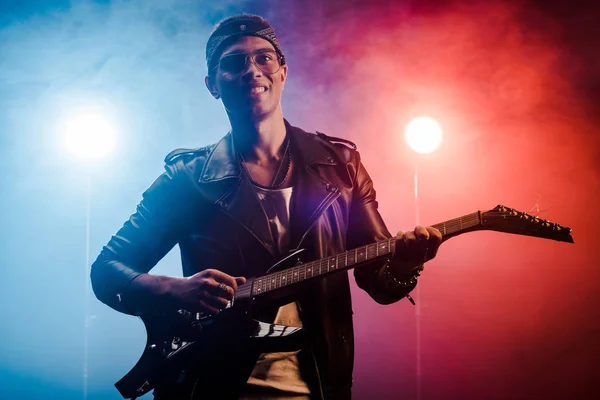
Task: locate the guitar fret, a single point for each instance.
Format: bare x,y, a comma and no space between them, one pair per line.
349,258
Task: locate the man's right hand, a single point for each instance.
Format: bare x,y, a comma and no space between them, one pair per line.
208,291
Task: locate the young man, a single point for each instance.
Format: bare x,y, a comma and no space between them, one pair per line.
238,206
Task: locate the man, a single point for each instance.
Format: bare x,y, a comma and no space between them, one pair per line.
238,206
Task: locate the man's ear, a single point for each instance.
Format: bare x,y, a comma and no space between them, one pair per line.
211,87
284,71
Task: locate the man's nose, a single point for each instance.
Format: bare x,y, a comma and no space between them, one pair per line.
251,70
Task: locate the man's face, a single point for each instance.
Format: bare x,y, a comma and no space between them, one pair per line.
244,80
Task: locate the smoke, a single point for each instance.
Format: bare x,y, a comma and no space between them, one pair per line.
140,63
513,88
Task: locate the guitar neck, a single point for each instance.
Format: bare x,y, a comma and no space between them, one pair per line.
352,258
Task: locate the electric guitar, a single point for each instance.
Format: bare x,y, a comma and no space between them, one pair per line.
175,343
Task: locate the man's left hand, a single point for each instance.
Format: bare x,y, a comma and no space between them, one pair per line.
413,248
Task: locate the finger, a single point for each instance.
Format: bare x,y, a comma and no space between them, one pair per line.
402,243
221,289
409,237
221,276
422,237
433,243
204,306
415,244
219,302
435,235
240,280
421,232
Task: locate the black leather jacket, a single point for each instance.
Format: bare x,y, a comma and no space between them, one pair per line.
205,204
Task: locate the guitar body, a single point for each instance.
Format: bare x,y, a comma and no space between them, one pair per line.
186,345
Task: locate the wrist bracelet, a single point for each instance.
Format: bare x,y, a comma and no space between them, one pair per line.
407,285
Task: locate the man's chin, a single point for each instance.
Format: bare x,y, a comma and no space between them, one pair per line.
252,111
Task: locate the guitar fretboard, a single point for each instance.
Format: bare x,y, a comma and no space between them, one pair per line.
458,225
350,258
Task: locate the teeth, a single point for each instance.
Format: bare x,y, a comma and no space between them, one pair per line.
257,90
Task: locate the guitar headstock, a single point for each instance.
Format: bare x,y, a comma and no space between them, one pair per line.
509,220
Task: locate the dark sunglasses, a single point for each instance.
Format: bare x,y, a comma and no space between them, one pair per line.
231,66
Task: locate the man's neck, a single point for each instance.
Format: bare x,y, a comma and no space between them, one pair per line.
260,141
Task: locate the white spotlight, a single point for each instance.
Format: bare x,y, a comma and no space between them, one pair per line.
89,135
423,135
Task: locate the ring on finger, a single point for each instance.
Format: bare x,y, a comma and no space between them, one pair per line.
223,287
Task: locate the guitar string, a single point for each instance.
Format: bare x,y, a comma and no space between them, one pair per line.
278,277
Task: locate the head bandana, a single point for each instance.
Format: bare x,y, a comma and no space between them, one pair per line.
235,26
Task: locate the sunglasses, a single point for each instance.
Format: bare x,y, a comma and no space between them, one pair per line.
231,66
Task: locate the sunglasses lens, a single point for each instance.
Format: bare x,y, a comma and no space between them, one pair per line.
267,62
233,64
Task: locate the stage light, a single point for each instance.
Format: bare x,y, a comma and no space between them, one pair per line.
423,135
89,135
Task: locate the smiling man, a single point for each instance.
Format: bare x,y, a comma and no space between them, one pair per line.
236,207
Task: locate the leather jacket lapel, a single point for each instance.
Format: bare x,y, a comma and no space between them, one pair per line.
242,205
313,193
223,183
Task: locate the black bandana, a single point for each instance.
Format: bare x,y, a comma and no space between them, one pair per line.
240,25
